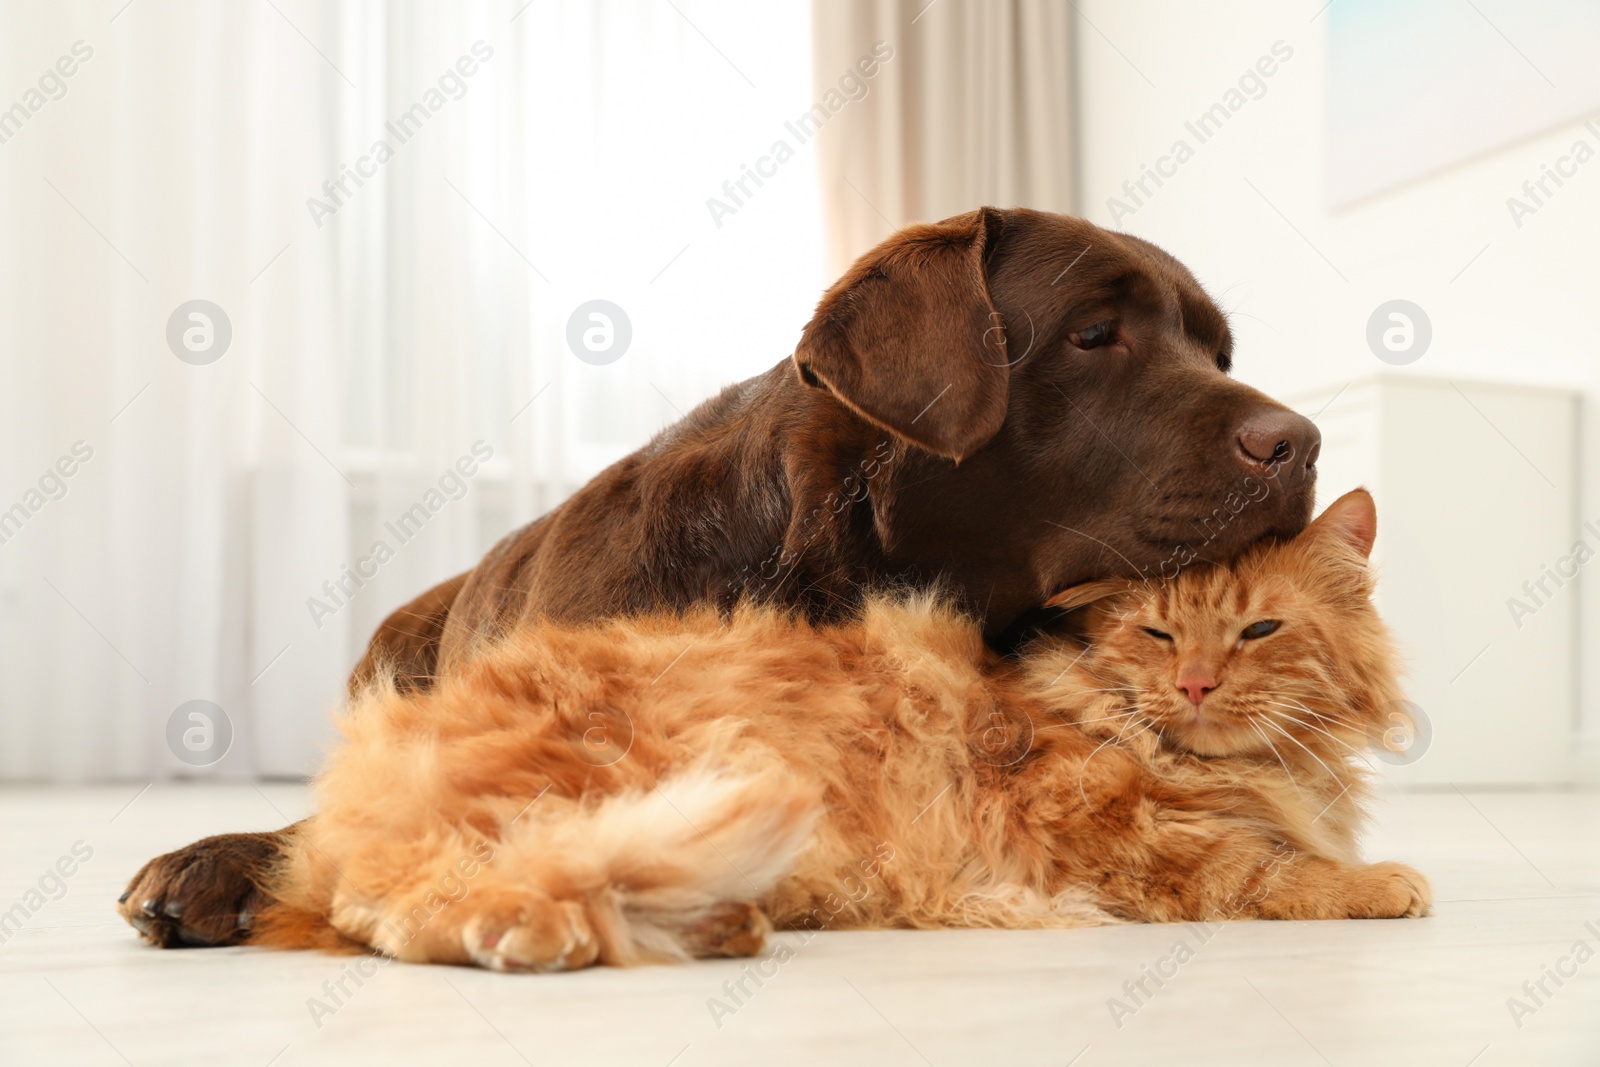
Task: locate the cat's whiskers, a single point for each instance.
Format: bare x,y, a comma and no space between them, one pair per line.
1069,666
1133,715
1080,722
1295,705
1324,717
1085,766
1268,720
1288,700
1337,720
1251,720
1335,738
1149,728
1313,687
1354,751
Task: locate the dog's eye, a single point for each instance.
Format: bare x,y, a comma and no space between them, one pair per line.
1093,337
1259,629
1157,634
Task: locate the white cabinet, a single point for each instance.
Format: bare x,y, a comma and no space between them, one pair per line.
1476,487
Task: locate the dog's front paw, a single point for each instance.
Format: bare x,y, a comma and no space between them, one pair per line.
201,895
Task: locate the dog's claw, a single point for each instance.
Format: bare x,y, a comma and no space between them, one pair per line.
149,907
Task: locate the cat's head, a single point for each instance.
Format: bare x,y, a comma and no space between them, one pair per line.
1281,653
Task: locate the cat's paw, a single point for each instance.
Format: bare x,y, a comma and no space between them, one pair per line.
1390,891
1325,889
736,928
552,935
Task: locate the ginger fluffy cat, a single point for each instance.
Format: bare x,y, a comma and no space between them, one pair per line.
672,787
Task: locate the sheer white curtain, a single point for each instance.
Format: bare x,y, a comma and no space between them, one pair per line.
398,373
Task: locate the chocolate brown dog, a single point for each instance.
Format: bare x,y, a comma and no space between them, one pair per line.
1006,402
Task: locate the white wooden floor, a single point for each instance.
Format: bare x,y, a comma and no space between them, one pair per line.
1517,877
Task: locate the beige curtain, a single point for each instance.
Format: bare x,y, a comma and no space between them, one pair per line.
926,110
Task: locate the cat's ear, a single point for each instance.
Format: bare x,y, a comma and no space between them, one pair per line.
1084,593
1351,520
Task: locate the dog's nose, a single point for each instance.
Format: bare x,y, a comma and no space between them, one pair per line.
1281,441
1196,685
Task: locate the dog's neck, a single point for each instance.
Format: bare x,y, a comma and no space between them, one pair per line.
867,509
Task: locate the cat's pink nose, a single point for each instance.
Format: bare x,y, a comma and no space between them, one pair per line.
1196,685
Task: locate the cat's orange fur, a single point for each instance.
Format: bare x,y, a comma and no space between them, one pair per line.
661,788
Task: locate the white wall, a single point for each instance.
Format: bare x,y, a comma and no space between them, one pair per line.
1248,213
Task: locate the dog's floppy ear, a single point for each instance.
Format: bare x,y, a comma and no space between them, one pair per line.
910,340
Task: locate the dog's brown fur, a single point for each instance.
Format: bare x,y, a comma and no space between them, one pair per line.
945,419
662,788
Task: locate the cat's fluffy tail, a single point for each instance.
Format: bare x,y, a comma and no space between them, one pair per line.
655,869
655,864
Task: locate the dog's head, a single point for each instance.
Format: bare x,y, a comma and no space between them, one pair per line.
1067,395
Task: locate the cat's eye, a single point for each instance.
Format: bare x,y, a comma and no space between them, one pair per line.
1260,629
1157,634
1093,337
